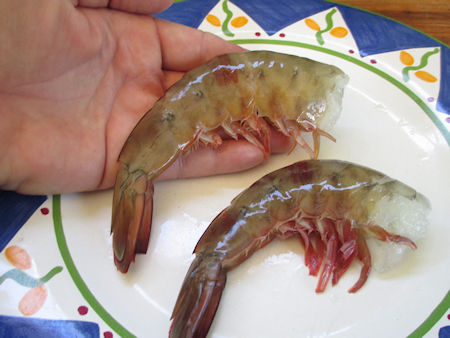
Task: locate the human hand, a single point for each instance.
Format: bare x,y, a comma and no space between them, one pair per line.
76,76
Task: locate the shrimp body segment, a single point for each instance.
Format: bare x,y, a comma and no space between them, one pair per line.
332,207
242,93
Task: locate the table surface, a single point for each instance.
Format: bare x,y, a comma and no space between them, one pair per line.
431,17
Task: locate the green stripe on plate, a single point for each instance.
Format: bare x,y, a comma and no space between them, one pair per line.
433,318
76,277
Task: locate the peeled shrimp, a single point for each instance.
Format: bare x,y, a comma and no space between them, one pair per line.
332,207
244,94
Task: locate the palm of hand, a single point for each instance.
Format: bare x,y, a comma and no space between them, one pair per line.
79,81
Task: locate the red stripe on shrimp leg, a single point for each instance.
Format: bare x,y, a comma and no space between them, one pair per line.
348,238
364,257
314,251
259,126
381,234
330,237
310,237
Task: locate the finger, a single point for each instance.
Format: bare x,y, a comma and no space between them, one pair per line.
184,48
232,156
91,3
132,6
279,142
170,77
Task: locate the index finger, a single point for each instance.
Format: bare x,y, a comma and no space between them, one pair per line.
184,48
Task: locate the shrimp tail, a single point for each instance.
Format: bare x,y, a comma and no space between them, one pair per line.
132,216
199,298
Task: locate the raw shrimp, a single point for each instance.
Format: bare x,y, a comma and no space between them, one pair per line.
330,206
242,93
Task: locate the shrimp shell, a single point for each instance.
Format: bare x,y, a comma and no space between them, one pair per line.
244,94
331,206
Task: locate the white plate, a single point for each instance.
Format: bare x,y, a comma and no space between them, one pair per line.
386,124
